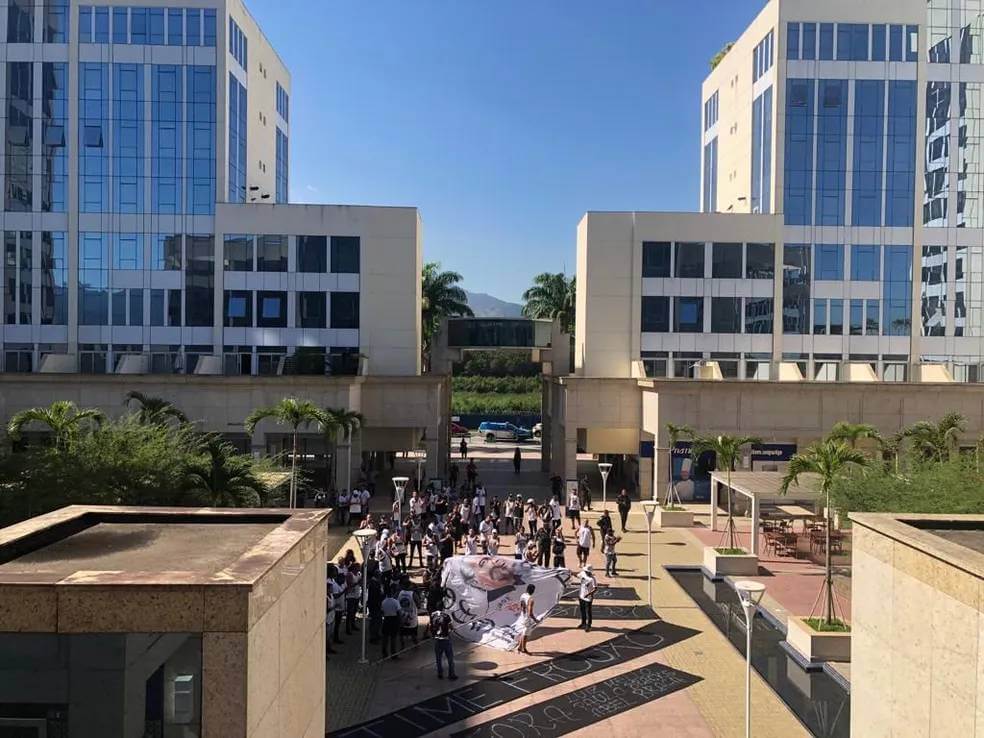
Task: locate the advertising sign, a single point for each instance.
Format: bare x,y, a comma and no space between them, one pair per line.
692,480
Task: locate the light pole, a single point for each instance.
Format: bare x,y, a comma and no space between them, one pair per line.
750,593
400,489
605,468
365,537
419,462
650,507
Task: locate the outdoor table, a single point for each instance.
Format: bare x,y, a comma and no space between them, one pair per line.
796,512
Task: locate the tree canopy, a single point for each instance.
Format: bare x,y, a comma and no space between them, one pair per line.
552,297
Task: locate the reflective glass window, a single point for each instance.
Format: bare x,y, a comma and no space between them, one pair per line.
238,310
138,25
900,178
832,137
344,310
897,290
121,26
912,43
312,254
933,289
690,260
20,21
726,315
688,314
809,41
165,252
726,260
345,254
819,317
792,40
208,25
872,322
865,263
799,152
271,309
857,317
796,289
54,279
879,42
85,24
970,142
655,314
155,26
710,176
836,309
175,27
869,152
56,21
19,149
238,253
829,262
311,310
937,182
128,251
200,173
54,122
136,307
193,21
656,259
271,253
167,137
895,44
758,315
826,41
199,280
100,33
760,261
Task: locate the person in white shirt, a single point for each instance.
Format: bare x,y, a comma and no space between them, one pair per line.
585,596
355,507
485,528
585,540
554,513
520,543
471,544
416,505
574,509
493,543
343,507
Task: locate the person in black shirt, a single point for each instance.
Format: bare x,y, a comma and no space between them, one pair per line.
559,544
440,629
374,601
543,547
624,503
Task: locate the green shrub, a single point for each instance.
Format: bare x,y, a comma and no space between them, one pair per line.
472,402
496,385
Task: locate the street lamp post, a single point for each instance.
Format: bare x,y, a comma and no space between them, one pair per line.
650,508
365,537
605,468
400,490
750,593
419,463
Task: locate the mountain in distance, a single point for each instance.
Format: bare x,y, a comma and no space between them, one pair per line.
486,306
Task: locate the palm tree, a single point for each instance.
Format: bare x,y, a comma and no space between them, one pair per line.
153,409
892,448
294,414
222,477
63,418
552,297
346,422
727,450
829,459
441,297
851,433
675,433
937,440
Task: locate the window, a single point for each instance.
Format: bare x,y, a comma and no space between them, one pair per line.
136,307
869,152
852,42
897,290
763,56
85,24
912,43
688,314
829,262
283,103
819,317
238,253
836,317
726,315
760,261
934,291
344,309
55,21
655,314
200,281
761,185
121,26
200,179
809,41
155,26
312,254
157,307
209,25
895,50
19,110
174,308
193,31
798,167
857,317
118,309
20,21
138,25
758,315
711,111
54,279
796,289
238,310
237,140
831,165
271,253
826,41
345,254
128,253
879,42
311,312
865,263
165,252
726,261
271,309
792,41
690,260
175,27
282,165
872,324
655,259
709,177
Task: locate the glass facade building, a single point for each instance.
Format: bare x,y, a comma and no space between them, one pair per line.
114,168
864,140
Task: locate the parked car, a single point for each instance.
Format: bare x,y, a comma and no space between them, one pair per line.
538,430
503,432
459,431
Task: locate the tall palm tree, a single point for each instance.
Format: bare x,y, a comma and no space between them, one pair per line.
344,422
552,296
153,409
675,433
829,459
63,418
892,448
937,440
294,414
851,433
727,450
441,297
222,477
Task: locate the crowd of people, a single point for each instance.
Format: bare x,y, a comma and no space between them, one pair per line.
402,574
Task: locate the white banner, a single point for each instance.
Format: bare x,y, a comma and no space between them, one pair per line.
483,597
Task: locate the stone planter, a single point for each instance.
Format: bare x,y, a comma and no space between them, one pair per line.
674,518
815,646
729,565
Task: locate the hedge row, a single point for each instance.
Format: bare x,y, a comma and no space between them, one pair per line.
474,402
496,385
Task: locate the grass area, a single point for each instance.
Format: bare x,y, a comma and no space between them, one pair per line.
732,551
481,402
822,626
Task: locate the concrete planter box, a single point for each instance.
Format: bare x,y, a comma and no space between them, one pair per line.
729,565
814,646
674,518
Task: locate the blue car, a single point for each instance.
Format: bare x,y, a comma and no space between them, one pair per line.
492,432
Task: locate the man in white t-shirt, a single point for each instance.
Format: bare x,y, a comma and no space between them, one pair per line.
585,596
343,505
585,540
554,513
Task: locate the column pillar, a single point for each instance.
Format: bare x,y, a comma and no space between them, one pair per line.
646,488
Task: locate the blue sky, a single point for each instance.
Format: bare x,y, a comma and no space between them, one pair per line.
502,120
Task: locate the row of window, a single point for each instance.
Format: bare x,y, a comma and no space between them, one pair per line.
759,367
283,103
238,44
852,42
268,309
315,254
237,140
763,56
663,259
101,24
710,175
282,167
20,21
864,317
686,314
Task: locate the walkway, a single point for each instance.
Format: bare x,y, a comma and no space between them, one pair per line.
686,660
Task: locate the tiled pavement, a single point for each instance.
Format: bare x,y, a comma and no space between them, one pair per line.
713,706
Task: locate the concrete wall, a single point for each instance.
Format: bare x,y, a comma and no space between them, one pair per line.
916,658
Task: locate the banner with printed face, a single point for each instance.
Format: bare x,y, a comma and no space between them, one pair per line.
483,597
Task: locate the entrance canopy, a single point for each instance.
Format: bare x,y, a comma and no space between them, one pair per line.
762,487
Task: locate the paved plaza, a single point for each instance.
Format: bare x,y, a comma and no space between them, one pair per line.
639,672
